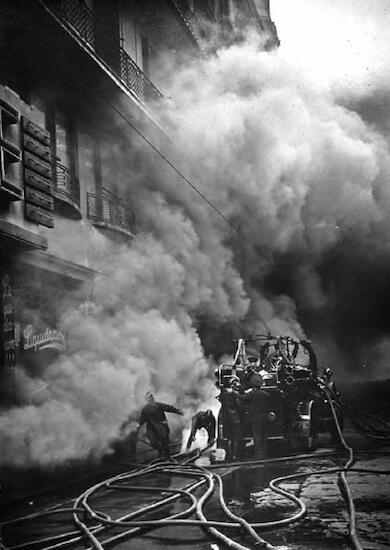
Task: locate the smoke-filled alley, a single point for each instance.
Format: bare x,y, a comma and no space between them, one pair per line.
194,219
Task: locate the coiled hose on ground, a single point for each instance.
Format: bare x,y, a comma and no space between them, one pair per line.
133,524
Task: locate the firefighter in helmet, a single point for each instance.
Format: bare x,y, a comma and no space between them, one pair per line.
157,429
251,367
232,420
206,420
259,408
330,383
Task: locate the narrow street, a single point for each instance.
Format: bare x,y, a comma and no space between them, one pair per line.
247,495
194,239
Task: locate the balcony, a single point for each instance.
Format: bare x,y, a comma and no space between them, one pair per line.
77,14
107,210
136,80
188,18
195,19
67,188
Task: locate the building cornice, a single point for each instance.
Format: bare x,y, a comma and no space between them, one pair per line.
54,264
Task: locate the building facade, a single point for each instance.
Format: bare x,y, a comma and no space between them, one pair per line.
66,66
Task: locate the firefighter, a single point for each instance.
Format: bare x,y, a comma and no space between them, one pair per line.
157,429
264,349
258,410
330,383
206,420
251,367
249,372
232,420
313,366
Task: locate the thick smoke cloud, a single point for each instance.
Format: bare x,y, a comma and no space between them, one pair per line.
303,174
304,180
293,168
135,336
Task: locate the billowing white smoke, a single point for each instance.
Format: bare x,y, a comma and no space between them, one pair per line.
288,164
302,176
294,171
135,336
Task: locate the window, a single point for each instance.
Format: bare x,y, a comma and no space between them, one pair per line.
64,156
129,33
89,164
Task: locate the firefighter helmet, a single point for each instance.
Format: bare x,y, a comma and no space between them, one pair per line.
256,381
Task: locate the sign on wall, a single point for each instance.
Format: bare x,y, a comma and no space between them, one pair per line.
47,339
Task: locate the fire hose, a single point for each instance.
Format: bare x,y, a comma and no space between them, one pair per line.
365,425
204,477
173,520
180,469
363,430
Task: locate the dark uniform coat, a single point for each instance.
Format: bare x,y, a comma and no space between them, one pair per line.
231,410
157,429
232,419
202,420
258,408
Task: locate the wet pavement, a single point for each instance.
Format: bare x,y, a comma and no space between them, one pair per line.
325,526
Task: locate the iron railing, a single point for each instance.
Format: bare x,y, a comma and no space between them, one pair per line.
78,15
188,17
195,18
108,210
67,187
136,80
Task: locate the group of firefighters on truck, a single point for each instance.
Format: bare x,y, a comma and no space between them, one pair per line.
245,402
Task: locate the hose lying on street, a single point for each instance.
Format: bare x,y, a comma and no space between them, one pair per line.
236,523
344,487
367,426
184,471
134,523
371,427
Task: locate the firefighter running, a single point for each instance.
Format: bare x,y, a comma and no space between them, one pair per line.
157,429
202,419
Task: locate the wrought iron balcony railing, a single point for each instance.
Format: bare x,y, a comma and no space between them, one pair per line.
78,15
194,19
136,80
188,17
67,187
107,210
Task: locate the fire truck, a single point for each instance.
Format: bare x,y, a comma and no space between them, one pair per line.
300,407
